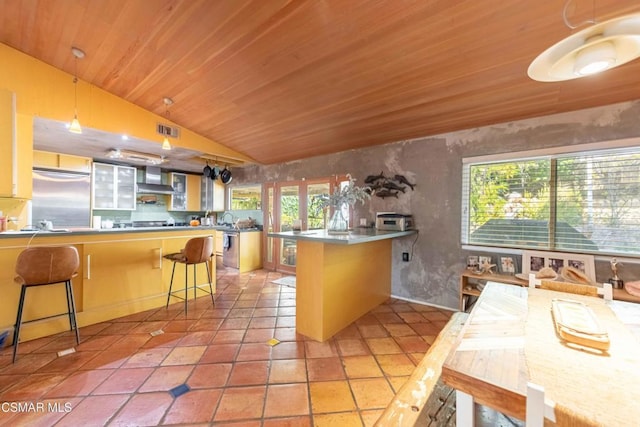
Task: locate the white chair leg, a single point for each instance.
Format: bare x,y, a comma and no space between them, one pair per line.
535,405
533,282
464,409
607,291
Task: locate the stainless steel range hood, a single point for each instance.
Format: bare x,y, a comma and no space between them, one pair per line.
153,182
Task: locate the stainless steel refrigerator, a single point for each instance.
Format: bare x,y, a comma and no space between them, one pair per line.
61,197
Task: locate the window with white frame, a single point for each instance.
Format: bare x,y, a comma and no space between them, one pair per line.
583,201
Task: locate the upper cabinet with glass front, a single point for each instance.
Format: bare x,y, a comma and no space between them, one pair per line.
179,196
114,187
246,197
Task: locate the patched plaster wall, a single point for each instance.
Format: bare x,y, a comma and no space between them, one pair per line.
435,165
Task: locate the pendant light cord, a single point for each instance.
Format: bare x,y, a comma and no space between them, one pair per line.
75,95
75,86
569,24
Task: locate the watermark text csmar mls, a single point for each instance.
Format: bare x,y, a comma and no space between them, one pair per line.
30,407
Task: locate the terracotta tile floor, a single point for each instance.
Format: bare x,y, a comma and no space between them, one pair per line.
121,375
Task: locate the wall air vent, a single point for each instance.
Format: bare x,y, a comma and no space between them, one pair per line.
166,130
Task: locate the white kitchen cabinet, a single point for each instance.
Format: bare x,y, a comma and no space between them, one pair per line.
179,196
211,195
114,187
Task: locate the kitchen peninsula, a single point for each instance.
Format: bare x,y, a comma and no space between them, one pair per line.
339,277
121,272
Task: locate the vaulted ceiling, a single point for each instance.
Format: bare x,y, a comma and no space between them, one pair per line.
280,80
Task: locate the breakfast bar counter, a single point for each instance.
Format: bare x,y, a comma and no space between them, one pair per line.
122,272
339,277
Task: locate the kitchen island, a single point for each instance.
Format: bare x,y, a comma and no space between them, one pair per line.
122,272
339,278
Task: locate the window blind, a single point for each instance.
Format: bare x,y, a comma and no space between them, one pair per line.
599,195
574,202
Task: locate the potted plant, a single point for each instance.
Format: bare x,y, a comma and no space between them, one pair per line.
340,200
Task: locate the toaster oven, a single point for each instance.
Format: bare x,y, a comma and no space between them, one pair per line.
394,222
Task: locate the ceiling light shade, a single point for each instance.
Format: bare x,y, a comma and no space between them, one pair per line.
594,58
166,145
75,127
597,48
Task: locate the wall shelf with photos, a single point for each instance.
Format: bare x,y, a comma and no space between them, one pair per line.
535,261
472,280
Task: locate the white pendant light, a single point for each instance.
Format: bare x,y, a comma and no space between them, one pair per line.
166,145
596,56
75,127
600,47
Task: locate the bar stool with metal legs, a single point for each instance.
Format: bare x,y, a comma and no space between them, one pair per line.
197,251
41,266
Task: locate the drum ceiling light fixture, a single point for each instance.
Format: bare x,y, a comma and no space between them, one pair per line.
600,47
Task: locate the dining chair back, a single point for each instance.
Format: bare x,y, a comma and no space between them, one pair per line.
572,288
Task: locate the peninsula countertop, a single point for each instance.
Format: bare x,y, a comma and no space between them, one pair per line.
363,235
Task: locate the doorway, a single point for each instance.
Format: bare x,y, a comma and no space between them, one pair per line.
287,203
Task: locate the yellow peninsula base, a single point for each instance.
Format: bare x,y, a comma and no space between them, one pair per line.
336,284
339,278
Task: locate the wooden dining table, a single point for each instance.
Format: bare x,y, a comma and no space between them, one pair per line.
509,340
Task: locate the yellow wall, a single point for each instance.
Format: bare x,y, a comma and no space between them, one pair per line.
44,91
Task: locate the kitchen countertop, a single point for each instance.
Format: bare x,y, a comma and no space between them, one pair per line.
357,236
88,231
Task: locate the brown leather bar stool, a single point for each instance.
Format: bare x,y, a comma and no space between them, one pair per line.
197,251
41,266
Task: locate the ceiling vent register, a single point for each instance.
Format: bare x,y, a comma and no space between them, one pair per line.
166,130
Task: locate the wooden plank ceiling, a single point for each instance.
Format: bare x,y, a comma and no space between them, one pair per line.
280,80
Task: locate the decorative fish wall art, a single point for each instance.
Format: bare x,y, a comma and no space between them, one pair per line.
383,186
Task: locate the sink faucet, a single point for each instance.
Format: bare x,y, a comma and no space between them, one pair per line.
224,215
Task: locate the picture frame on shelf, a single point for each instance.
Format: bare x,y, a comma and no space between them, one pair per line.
556,264
507,265
534,261
472,262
